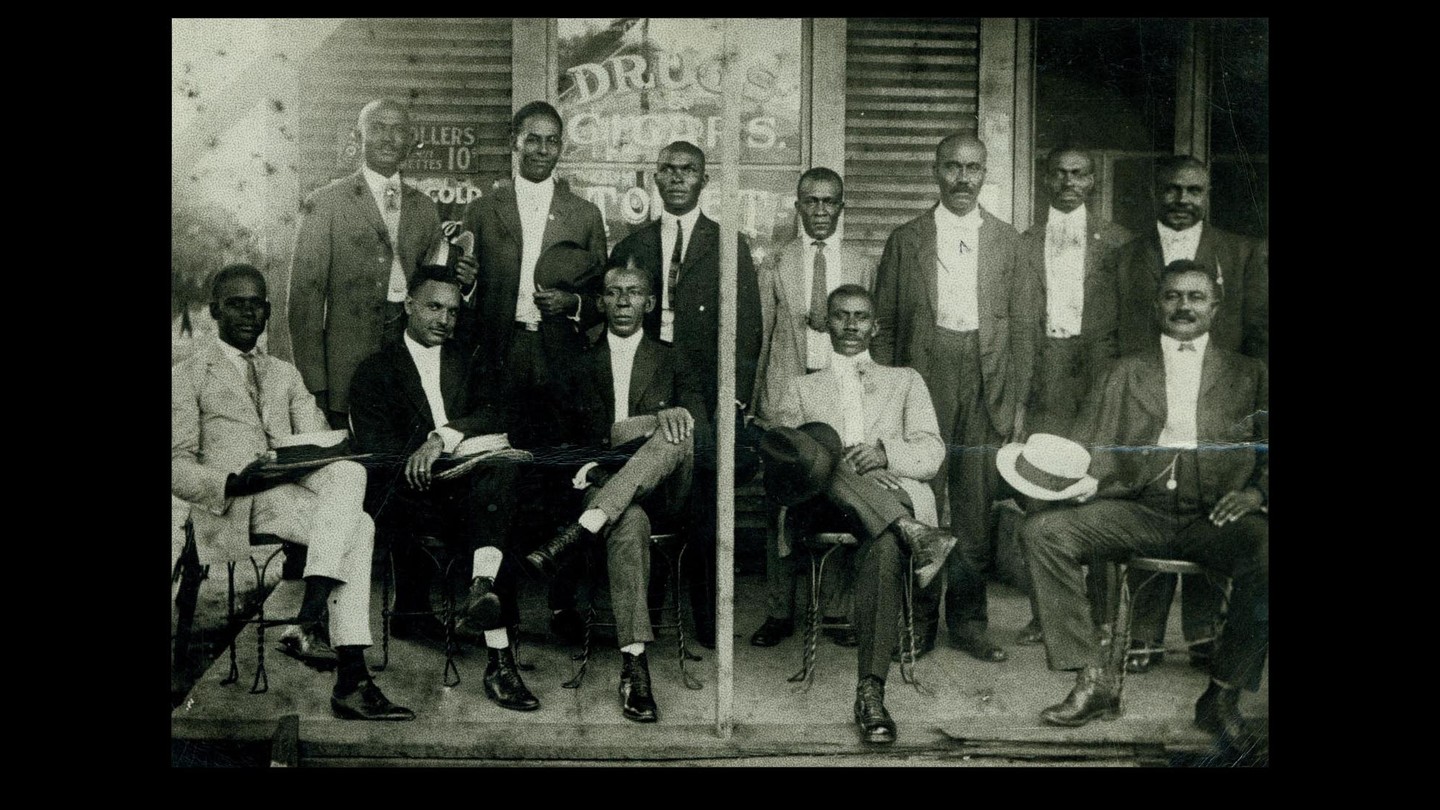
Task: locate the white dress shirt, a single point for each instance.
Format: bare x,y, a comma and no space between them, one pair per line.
622,362
379,186
1065,272
957,242
1182,390
427,362
533,200
237,358
817,344
1176,245
667,248
849,371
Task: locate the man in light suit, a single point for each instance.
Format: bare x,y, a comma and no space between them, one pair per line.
230,403
953,304
852,449
1179,435
795,282
681,251
358,241
412,402
631,410
1241,265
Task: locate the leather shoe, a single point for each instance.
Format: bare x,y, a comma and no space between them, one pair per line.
1138,663
503,684
306,646
367,702
548,558
928,546
979,647
1094,696
1218,712
482,604
842,636
924,644
772,632
637,702
1031,635
568,625
870,714
418,628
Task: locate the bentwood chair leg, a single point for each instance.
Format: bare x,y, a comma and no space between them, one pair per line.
676,566
234,674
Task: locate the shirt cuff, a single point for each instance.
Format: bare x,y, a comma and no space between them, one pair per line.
464,296
579,305
581,479
449,438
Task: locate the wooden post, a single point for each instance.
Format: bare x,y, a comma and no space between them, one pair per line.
725,406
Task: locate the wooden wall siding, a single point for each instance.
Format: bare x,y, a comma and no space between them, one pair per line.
909,82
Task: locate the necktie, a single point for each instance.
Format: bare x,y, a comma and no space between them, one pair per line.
818,290
392,198
964,248
1186,346
252,378
675,258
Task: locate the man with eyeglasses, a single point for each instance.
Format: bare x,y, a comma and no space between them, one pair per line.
681,252
795,282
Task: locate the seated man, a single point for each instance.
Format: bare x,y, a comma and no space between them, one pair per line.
866,443
401,402
229,403
625,398
1198,416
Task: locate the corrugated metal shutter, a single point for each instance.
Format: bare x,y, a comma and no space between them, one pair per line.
908,83
449,71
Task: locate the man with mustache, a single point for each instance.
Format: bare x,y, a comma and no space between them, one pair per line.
953,303
1241,266
1179,438
359,239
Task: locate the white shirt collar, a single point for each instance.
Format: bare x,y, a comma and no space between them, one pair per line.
838,360
688,219
625,345
1169,234
234,353
1169,345
377,181
1057,218
418,348
524,187
945,218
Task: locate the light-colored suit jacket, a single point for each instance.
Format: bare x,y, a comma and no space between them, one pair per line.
784,305
215,431
898,411
340,273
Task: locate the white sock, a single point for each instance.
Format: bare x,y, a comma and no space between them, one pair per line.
638,648
486,562
593,520
497,639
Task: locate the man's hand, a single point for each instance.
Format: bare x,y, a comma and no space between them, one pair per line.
866,457
557,302
886,479
417,467
1236,504
467,267
676,423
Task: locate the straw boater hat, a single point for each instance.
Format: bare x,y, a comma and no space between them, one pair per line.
1048,467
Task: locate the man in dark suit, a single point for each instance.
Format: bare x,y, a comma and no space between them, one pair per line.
1241,264
953,305
1196,489
412,402
632,411
681,252
359,239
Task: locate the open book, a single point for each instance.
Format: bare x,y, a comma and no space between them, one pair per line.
491,448
305,451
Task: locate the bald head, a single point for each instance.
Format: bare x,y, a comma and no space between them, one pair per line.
385,139
960,172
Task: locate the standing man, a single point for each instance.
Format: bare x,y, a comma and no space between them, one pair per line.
231,402
795,282
1179,435
359,239
952,303
528,322
411,402
851,451
681,251
1241,267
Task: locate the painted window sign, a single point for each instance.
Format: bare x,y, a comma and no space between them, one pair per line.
629,86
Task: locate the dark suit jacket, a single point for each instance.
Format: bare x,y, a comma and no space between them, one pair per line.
484,325
1243,322
339,275
697,307
1124,415
906,293
655,385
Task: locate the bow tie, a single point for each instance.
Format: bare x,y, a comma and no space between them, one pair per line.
1186,346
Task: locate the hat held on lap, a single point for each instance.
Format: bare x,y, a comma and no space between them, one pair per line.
1048,467
799,461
